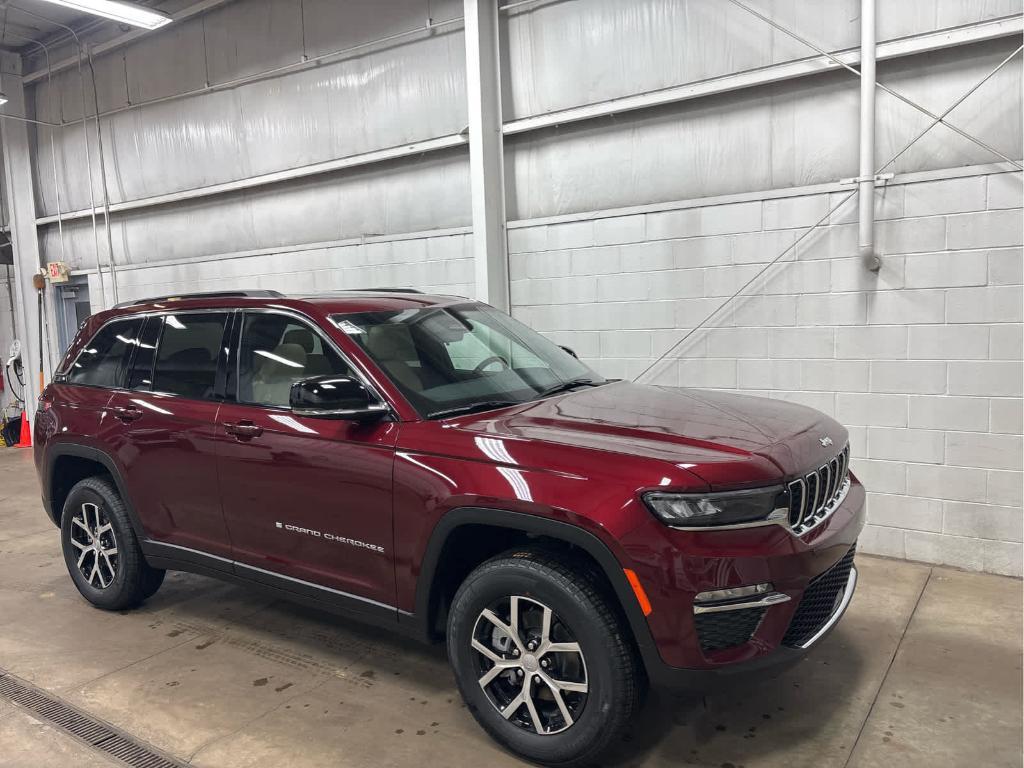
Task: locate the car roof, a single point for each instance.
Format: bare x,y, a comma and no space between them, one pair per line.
369,300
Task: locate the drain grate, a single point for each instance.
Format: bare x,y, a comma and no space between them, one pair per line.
90,731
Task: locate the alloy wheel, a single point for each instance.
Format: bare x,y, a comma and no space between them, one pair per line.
92,535
530,665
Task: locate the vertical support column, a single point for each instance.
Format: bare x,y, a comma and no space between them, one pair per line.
866,194
486,152
21,204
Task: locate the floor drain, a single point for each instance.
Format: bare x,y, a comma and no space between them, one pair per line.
88,730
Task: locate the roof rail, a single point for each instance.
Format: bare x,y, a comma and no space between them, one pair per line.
382,290
208,295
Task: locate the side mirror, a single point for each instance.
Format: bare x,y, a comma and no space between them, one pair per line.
570,351
335,397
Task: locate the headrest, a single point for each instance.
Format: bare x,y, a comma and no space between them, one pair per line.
300,336
391,342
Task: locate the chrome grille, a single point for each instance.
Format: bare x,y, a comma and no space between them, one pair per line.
815,496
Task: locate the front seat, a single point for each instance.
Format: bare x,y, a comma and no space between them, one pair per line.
274,374
393,349
316,364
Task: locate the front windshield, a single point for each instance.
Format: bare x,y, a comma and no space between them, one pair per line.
454,358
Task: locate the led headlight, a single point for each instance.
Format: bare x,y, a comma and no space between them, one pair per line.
690,510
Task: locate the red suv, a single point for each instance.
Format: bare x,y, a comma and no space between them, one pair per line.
431,464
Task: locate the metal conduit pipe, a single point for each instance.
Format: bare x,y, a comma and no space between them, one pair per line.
51,343
866,173
88,160
53,151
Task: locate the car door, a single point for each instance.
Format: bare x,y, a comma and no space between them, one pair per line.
168,412
307,499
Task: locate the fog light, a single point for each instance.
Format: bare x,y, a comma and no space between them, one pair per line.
733,592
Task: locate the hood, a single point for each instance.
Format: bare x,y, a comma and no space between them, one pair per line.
725,439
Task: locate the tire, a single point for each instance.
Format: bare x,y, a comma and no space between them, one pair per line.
582,614
109,570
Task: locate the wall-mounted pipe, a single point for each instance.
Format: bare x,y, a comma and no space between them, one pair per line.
866,174
88,158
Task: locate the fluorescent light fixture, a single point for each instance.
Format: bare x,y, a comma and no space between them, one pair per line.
126,13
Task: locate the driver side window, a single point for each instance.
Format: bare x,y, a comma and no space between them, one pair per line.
275,352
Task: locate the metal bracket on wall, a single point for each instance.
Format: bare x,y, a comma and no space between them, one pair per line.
878,178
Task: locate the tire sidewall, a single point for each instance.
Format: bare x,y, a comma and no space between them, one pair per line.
112,595
572,609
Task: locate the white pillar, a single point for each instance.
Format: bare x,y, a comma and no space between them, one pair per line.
866,194
19,192
486,152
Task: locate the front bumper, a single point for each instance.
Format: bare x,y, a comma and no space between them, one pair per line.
813,580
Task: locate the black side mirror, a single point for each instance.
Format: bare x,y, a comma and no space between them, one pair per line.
570,351
335,397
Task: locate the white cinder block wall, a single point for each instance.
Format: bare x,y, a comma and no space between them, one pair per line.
922,362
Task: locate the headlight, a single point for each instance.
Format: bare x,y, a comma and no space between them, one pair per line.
690,510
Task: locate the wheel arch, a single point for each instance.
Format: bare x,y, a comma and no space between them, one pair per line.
67,464
508,530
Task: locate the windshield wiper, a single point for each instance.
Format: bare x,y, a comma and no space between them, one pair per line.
483,405
565,386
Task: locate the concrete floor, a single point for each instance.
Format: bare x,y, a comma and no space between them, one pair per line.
925,669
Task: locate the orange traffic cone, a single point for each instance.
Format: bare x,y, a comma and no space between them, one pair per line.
25,440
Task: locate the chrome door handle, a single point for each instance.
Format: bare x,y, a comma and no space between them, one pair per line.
243,430
127,414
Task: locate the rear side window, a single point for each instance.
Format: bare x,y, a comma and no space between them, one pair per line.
101,362
187,353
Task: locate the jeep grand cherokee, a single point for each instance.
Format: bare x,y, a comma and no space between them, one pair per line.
431,464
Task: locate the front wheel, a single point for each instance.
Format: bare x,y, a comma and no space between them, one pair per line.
542,658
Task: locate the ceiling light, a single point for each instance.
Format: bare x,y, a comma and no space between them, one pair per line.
3,99
126,13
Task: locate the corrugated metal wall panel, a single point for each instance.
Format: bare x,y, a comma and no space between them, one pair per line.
383,98
563,55
785,135
428,194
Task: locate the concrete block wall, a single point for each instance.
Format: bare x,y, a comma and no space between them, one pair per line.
922,362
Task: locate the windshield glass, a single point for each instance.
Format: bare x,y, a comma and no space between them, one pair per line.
453,358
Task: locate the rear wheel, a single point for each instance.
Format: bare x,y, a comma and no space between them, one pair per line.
542,659
100,549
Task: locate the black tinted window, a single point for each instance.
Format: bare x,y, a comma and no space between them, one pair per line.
186,355
276,351
101,362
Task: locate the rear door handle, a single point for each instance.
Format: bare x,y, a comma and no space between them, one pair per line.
243,430
127,414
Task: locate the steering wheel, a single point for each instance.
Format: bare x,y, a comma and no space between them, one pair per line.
488,361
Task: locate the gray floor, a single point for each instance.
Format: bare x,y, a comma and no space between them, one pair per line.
924,670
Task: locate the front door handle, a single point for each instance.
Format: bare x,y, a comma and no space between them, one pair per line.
243,430
127,414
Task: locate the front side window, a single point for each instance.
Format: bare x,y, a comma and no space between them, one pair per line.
275,352
187,352
458,357
101,361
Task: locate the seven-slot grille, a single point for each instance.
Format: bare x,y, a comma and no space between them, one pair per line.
815,496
